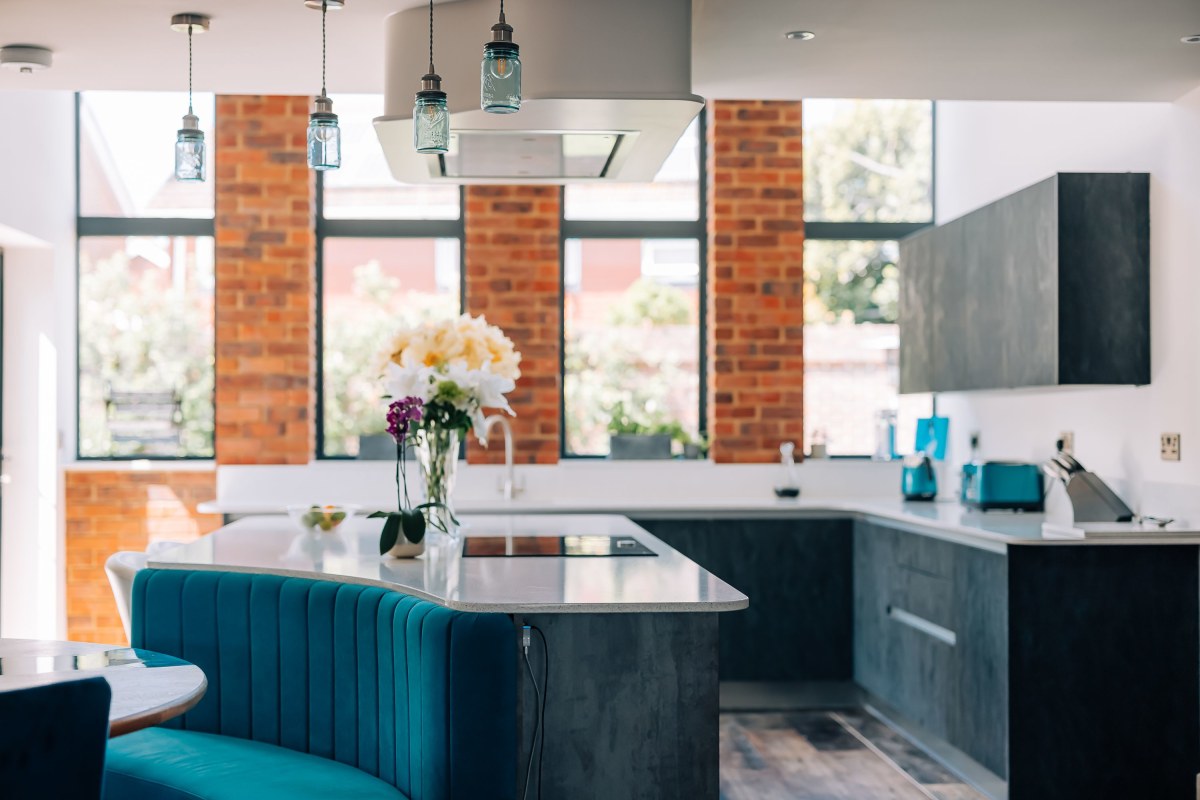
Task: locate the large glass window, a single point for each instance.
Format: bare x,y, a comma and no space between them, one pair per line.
868,181
127,155
633,293
632,336
371,288
145,282
390,256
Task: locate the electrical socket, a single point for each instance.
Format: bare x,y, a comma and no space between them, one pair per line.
1068,441
1169,446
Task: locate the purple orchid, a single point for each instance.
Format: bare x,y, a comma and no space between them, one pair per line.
402,414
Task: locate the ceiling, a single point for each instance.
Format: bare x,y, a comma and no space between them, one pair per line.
942,49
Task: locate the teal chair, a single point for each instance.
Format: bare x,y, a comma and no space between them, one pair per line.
52,740
319,689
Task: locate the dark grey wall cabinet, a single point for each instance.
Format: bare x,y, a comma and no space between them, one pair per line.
797,576
1049,286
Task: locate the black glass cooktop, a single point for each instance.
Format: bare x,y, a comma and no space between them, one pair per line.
573,546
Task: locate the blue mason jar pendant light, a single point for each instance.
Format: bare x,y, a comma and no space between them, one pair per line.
500,73
431,119
189,142
324,135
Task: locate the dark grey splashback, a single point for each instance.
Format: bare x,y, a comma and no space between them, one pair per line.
1048,286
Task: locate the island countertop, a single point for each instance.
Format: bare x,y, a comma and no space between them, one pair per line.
665,582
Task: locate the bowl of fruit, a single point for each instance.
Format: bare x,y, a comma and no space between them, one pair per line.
321,518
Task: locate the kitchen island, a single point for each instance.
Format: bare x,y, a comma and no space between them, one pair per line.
631,641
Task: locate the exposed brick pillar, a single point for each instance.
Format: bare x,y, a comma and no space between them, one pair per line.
755,279
265,294
512,278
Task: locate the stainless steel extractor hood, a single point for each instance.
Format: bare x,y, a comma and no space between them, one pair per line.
606,95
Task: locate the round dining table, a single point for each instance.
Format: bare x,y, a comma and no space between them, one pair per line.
147,687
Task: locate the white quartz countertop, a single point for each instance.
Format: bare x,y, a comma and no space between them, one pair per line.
665,582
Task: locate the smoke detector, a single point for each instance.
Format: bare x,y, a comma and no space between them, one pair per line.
25,58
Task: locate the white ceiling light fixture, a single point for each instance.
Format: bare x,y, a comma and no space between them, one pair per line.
1194,39
800,36
26,58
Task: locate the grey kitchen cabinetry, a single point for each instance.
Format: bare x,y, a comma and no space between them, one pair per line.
1048,286
797,575
930,636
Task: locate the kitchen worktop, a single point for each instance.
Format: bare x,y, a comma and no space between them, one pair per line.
665,582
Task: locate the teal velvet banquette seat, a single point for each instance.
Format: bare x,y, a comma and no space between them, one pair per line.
323,690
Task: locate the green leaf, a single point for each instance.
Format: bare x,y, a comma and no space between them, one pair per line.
413,524
380,514
391,533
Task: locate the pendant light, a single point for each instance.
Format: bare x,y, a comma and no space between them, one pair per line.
500,79
189,142
324,135
431,120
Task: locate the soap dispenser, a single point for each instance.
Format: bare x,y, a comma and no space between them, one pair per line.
788,485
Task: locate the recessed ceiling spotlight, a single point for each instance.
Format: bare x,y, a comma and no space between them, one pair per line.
25,58
1194,39
802,36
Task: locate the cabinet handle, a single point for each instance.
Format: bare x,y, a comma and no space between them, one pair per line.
923,625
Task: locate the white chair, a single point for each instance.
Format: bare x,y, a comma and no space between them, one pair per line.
121,567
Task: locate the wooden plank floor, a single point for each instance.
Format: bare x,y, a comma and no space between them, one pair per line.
827,755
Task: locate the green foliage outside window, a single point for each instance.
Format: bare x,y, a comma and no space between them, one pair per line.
141,331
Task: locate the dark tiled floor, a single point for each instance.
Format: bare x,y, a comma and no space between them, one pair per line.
827,755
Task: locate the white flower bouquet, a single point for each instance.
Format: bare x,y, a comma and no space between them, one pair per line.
457,368
441,376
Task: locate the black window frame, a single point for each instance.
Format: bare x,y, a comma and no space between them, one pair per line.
880,232
371,229
696,229
95,227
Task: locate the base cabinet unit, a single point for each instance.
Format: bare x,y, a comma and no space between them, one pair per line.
929,629
797,575
1070,671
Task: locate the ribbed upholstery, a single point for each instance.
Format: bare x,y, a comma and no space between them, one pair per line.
418,695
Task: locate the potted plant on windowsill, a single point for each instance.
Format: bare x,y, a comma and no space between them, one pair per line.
634,439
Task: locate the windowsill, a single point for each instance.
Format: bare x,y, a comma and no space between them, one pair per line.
140,465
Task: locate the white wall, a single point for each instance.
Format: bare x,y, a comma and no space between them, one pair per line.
37,233
988,150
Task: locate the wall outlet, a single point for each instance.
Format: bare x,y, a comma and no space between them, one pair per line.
1169,446
1068,441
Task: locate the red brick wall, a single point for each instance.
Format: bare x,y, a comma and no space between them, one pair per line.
512,278
123,510
755,278
265,297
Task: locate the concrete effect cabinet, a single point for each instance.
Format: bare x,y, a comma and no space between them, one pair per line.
1048,286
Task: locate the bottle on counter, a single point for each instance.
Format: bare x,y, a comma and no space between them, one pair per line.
818,448
788,485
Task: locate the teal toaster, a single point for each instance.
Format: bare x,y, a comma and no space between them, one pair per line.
1008,485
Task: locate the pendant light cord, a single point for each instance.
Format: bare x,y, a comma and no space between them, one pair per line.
190,70
324,10
502,10
430,37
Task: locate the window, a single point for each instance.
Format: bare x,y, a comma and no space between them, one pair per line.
390,255
145,283
633,294
868,181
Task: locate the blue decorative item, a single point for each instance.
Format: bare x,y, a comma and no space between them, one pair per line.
932,435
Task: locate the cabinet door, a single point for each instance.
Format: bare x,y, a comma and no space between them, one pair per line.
978,723
904,651
916,306
797,576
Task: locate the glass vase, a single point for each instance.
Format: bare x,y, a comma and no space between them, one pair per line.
437,453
